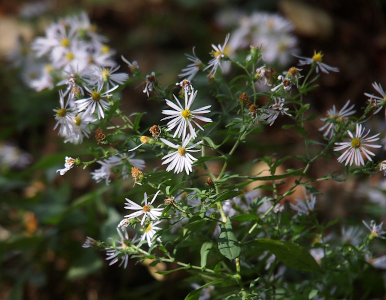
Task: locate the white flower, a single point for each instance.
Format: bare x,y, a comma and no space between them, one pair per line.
379,262
376,230
191,70
64,117
206,293
95,101
106,76
149,83
186,85
317,254
383,167
103,172
121,158
270,114
146,210
317,60
351,235
376,100
357,146
285,83
13,157
180,159
150,231
132,66
304,207
69,163
113,252
90,242
79,128
144,140
183,117
218,55
45,81
335,116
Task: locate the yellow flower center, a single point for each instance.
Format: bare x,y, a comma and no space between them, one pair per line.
65,42
95,96
105,49
105,75
355,143
146,208
70,160
48,68
217,53
186,114
61,112
182,151
78,120
93,28
144,139
124,246
148,228
70,56
317,57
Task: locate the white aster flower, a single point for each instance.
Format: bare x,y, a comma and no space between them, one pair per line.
270,114
376,230
180,159
114,252
383,167
317,254
146,210
149,83
316,59
182,117
90,242
285,83
13,157
351,235
357,146
106,76
95,101
103,172
44,81
375,101
64,117
150,231
122,158
304,207
191,70
144,140
68,165
186,85
132,66
79,128
379,262
218,54
336,116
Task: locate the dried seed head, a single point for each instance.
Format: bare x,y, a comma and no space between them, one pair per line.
209,181
137,175
155,131
245,99
99,136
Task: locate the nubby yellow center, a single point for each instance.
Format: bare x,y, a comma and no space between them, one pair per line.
355,143
186,114
70,56
61,112
217,53
78,121
105,75
95,96
148,228
181,151
65,42
146,208
317,57
144,139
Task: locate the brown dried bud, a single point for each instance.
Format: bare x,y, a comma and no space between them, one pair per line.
253,110
99,136
209,181
293,71
245,99
137,174
155,131
269,73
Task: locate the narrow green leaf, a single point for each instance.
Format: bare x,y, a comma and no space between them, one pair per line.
205,248
174,270
291,254
300,130
228,245
312,294
136,121
245,217
228,195
195,295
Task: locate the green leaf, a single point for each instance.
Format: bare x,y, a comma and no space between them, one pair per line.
303,108
259,200
228,245
312,294
210,142
310,189
300,130
174,270
245,217
291,254
136,121
205,248
195,295
287,126
228,195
